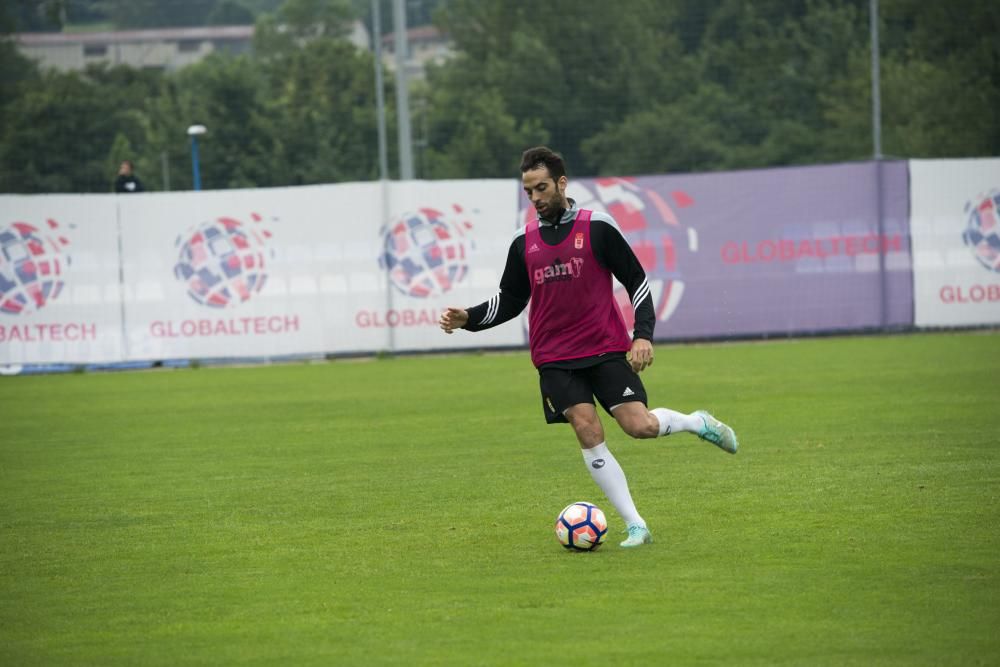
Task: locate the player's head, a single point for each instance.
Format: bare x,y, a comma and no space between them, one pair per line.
543,176
125,168
543,156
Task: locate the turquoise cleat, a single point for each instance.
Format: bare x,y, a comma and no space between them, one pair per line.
717,433
637,536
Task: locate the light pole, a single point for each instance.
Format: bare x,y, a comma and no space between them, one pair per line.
402,92
876,87
383,160
194,131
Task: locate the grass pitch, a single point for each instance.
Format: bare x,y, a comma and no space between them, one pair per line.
400,511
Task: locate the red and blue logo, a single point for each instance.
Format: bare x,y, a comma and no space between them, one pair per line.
223,262
32,261
982,231
426,252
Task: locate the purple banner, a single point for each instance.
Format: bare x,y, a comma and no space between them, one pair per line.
772,251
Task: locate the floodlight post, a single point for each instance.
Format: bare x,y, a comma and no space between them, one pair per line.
402,92
383,160
876,87
194,132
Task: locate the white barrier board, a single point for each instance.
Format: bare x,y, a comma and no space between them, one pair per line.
955,230
60,293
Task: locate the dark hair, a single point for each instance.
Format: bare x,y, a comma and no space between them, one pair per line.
543,156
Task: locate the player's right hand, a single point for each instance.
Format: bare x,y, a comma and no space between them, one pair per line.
453,318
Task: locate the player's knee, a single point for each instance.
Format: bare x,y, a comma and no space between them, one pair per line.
640,426
636,421
586,427
586,424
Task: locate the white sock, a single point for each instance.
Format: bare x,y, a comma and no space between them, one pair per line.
610,477
672,422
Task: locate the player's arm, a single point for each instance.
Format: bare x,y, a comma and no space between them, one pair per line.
515,290
614,252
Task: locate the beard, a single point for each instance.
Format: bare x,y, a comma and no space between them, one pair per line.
550,208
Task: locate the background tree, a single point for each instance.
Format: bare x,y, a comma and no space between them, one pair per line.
58,132
299,110
230,12
655,86
156,13
570,77
31,15
717,84
322,88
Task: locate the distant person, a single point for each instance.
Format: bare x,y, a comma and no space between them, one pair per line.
127,181
563,263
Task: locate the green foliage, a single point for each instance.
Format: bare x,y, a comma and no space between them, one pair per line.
31,15
59,130
328,114
569,78
672,137
653,86
299,110
280,515
316,18
157,13
85,11
17,74
229,105
941,78
230,12
723,84
473,135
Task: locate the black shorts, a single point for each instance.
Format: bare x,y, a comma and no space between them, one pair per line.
613,382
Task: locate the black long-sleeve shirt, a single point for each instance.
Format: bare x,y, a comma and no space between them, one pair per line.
611,250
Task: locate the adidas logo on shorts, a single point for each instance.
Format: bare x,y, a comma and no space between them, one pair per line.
628,392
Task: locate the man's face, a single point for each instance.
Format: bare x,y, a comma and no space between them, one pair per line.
545,194
125,169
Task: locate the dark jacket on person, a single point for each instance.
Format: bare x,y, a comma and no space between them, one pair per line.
130,183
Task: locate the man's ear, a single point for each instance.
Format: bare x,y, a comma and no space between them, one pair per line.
561,184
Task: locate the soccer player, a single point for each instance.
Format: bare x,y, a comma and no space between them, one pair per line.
563,263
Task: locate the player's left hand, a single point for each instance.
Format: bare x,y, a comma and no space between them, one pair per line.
641,354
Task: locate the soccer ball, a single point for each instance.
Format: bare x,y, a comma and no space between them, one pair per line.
581,527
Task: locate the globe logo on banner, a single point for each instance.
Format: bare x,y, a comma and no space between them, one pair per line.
653,229
982,231
223,262
426,252
32,261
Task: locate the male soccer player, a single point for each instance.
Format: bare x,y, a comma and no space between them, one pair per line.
563,263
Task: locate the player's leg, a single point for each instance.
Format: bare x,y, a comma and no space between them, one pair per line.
714,431
604,468
621,392
640,422
567,396
586,425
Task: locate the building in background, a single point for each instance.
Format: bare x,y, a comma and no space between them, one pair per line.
426,44
163,48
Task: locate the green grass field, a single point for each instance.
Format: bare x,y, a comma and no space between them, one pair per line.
400,511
